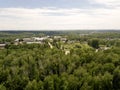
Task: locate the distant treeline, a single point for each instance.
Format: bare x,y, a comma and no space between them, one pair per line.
60,31
8,36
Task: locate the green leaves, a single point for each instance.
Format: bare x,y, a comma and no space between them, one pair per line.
37,67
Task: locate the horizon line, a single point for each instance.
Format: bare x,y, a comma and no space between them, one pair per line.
63,30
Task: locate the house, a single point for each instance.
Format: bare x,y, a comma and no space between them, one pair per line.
33,42
63,39
83,34
57,37
27,40
37,39
18,41
104,48
40,38
2,46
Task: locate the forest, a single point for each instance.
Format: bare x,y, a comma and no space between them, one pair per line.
39,67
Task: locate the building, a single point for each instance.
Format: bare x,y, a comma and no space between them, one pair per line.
27,40
2,46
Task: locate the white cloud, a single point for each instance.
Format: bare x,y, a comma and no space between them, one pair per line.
53,18
109,3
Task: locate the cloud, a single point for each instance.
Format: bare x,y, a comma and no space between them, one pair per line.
59,18
108,3
37,11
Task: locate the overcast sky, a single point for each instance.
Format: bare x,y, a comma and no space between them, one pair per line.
59,14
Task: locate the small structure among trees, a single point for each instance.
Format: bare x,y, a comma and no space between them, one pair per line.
2,46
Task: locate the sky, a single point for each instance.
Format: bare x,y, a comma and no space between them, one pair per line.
59,14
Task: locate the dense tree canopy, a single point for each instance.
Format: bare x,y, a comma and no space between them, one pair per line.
39,67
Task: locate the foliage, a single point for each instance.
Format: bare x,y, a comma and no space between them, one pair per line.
38,67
